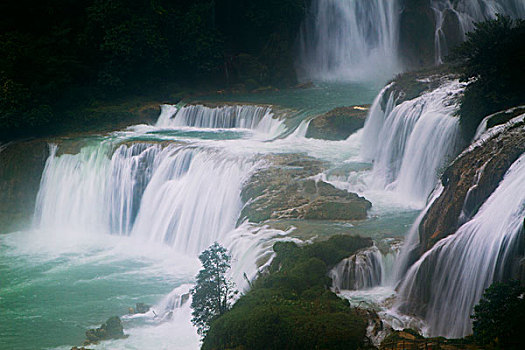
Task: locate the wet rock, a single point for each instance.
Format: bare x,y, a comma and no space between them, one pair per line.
416,33
469,181
452,32
21,167
411,339
338,124
284,191
111,329
142,308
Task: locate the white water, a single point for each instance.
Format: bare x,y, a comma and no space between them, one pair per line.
366,269
359,39
350,40
447,281
258,118
409,143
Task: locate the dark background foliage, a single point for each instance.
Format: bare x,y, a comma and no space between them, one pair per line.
55,54
493,58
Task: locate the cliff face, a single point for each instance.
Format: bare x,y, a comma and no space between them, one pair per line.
416,33
21,167
470,180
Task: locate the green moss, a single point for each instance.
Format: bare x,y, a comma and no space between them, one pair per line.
291,307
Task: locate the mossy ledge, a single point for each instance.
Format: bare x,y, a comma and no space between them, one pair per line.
291,306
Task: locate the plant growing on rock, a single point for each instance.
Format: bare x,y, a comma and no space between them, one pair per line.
213,293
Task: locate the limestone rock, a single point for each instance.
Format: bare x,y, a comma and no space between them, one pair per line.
469,181
338,124
284,191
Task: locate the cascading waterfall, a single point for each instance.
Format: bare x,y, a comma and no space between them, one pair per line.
183,196
460,17
366,269
259,118
350,40
448,280
410,142
411,243
360,39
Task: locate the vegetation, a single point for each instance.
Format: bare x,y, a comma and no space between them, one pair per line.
492,58
291,306
56,55
213,292
498,318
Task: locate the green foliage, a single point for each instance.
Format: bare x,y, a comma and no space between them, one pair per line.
498,318
291,307
213,292
56,55
493,57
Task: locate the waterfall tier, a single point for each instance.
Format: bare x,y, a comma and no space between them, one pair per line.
366,269
259,118
183,196
448,280
410,142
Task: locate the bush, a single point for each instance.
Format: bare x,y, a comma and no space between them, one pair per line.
498,318
291,307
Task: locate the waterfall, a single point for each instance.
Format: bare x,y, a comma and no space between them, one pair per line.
259,118
360,39
365,269
183,196
456,18
448,280
349,40
411,243
410,142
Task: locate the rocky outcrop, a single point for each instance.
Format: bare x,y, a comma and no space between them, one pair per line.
111,329
416,33
470,180
338,124
410,339
284,191
21,167
409,85
140,308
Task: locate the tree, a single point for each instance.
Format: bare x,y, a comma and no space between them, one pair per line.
213,292
492,59
498,318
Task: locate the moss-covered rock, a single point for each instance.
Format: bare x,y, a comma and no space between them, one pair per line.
284,190
337,124
291,307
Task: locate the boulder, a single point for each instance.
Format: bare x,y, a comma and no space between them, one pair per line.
338,124
111,329
285,191
141,308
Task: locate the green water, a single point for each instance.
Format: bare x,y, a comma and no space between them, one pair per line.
53,287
